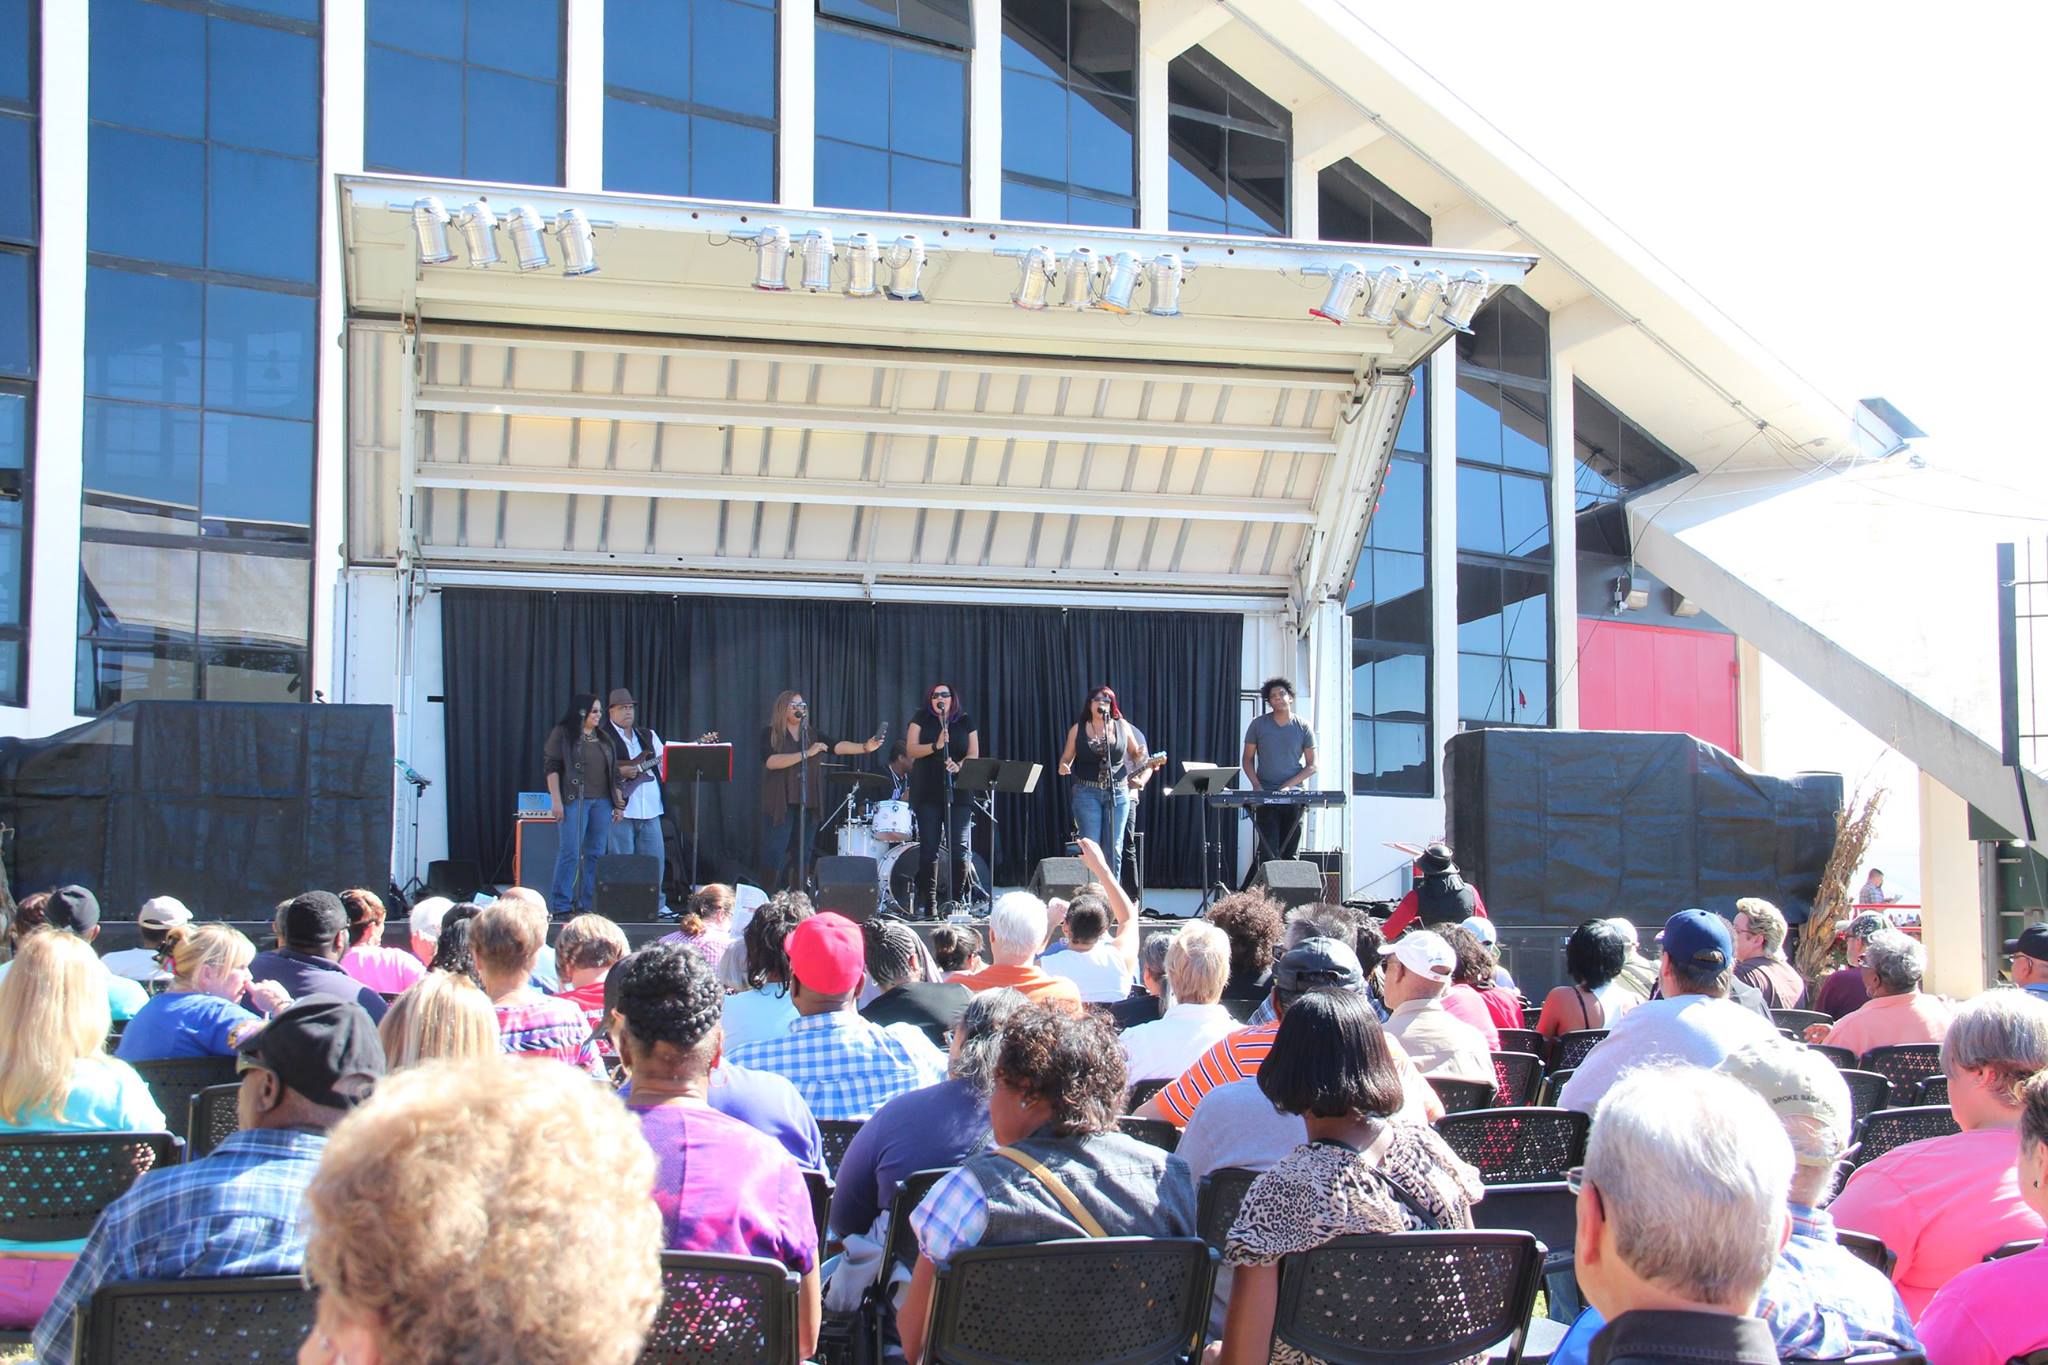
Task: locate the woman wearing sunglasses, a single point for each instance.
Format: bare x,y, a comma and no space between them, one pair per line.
940,737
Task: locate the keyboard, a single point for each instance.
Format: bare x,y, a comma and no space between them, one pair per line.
1293,796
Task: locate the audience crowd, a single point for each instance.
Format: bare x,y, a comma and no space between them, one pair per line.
475,1146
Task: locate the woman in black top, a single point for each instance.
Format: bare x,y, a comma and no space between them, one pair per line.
1101,753
583,790
939,737
793,780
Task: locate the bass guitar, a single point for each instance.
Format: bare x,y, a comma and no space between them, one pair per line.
634,771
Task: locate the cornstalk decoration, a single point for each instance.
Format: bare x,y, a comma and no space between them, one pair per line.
1853,827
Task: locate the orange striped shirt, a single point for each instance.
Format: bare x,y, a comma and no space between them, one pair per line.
1235,1058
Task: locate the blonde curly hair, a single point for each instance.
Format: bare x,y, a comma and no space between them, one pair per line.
490,1211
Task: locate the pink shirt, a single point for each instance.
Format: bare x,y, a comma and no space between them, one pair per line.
385,970
1941,1204
1989,1313
1889,1020
1466,1003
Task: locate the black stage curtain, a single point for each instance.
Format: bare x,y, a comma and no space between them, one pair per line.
512,659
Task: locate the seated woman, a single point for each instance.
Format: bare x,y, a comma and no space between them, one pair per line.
1357,1173
1059,1085
957,950
1991,1313
764,1009
506,939
722,1186
490,1211
443,1016
1593,958
55,1076
586,950
384,970
1942,1203
200,1014
706,926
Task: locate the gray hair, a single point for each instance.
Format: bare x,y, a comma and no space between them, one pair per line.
2005,1029
1897,960
980,1032
1322,920
732,967
1693,1170
1016,926
425,919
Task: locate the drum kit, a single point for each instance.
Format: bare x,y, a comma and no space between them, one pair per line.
876,825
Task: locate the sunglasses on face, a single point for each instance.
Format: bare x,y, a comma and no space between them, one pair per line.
941,696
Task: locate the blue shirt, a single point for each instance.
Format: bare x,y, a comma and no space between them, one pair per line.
124,997
2037,989
106,1096
844,1066
920,1130
237,1212
309,974
770,1104
185,1024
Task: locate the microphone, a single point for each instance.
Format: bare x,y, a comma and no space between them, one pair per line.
412,774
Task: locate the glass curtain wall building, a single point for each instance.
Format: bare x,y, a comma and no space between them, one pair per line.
1070,111
690,98
468,89
892,105
18,229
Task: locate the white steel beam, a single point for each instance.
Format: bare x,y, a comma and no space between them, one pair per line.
1168,28
1367,441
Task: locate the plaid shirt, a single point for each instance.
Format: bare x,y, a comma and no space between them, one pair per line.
1824,1304
951,1217
844,1066
236,1212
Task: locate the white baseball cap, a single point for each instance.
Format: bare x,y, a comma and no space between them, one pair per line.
161,912
1481,928
1424,953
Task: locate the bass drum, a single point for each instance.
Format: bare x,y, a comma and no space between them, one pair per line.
899,875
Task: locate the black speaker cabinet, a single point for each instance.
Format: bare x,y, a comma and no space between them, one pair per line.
849,886
628,887
1294,882
1059,878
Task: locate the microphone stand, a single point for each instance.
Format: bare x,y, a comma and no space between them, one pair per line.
946,830
803,810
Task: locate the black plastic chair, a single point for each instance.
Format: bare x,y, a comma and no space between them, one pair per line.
1933,1090
1889,1128
54,1185
1135,1098
256,1318
1569,1049
1868,1093
1524,1040
211,1119
1517,1146
2019,1248
723,1310
173,1081
1870,1250
1520,1077
1905,1065
1217,1200
1157,1132
1553,1086
1885,1358
1799,1020
1460,1096
1545,1209
1530,1014
1130,1300
819,1186
838,1135
1840,1056
1436,1297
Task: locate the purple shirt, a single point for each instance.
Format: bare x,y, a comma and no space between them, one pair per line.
723,1187
769,1104
940,1125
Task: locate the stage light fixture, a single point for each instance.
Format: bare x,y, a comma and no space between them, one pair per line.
771,270
1162,280
1347,282
1424,296
479,228
430,231
817,257
862,256
1078,285
905,259
1389,282
1035,281
579,243
1119,280
529,237
1466,294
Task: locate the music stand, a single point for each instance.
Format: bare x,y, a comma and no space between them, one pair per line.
988,776
695,764
1205,783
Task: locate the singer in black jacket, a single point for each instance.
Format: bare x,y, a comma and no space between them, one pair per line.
939,737
793,786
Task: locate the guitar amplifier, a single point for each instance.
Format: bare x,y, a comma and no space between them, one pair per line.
533,804
534,845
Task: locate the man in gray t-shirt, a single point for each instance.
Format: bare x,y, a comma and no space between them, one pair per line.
1279,753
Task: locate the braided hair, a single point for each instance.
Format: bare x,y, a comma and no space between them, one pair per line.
667,993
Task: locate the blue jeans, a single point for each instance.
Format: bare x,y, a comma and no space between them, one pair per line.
779,847
1103,814
642,837
586,825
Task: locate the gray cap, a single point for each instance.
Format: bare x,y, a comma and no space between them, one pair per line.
1317,963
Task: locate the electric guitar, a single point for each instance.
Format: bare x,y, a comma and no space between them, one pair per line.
634,771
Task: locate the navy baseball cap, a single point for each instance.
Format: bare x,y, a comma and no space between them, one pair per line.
1698,938
1317,963
2033,942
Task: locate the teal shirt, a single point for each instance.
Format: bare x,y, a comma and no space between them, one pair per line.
124,997
106,1096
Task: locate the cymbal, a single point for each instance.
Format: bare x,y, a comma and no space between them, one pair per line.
863,781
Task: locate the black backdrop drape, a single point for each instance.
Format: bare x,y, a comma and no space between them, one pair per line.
512,659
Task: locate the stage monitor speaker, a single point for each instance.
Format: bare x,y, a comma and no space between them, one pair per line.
849,886
1331,862
628,887
1059,878
454,878
1294,882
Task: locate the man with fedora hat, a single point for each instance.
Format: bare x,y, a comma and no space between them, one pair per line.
1441,895
239,1211
639,829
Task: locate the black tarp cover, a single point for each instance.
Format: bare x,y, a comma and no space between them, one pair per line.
229,806
1556,827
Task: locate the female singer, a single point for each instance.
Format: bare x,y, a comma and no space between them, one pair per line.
1101,753
583,793
940,736
793,782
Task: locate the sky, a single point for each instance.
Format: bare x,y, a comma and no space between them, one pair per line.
1852,184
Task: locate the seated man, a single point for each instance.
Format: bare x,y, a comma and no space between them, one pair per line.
1018,926
312,934
154,919
1897,1010
1197,965
895,962
1760,931
843,1066
239,1211
1420,967
76,911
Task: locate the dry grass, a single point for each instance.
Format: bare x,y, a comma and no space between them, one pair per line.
1853,827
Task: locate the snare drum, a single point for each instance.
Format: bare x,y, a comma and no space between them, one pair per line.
893,822
857,840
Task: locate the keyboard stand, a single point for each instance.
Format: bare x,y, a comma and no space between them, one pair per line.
1202,783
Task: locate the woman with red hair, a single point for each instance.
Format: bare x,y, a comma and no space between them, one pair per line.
1101,754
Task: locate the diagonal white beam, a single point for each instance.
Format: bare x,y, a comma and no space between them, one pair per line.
1329,128
1170,27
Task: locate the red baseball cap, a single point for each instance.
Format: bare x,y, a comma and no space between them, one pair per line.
827,954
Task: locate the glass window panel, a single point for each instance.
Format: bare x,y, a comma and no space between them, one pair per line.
1034,127
13,434
1400,686
160,54
262,88
10,568
647,48
853,91
430,26
1401,758
1188,222
1030,204
1194,172
142,454
10,672
262,215
522,36
308,10
16,60
1084,211
1402,618
109,674
253,675
1396,576
1258,178
731,161
1481,345
1100,127
138,592
1414,419
879,12
1397,521
646,150
17,314
1482,682
1103,44
1525,431
1361,741
258,470
142,336
1479,510
413,114
1479,608
1527,700
1524,514
917,186
733,61
1524,339
850,177
928,105
127,171
253,600
17,178
514,129
1478,421
259,351
1525,599
944,21
1035,36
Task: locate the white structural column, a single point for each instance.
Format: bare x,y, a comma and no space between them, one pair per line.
797,99
1152,159
582,97
1326,130
985,113
1443,555
60,376
1564,549
341,153
1960,959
